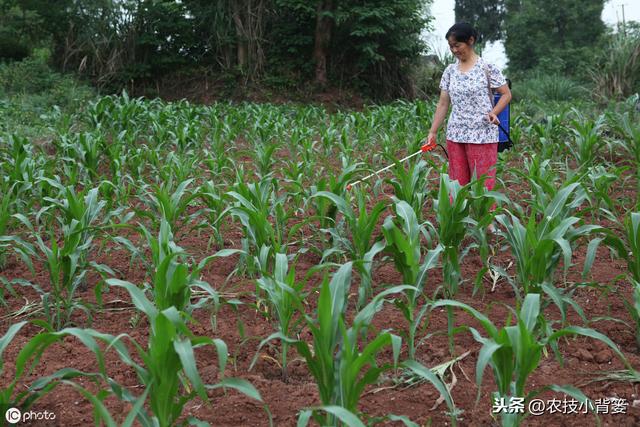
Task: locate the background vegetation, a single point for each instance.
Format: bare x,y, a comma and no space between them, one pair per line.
372,48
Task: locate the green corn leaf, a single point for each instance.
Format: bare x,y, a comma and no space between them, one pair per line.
587,332
530,310
101,411
185,351
241,385
591,255
428,375
403,419
8,337
138,297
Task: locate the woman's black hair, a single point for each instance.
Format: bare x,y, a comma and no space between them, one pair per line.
462,32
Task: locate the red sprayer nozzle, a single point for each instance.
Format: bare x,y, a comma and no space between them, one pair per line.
427,147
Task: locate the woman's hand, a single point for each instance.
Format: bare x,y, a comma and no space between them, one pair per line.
493,118
431,138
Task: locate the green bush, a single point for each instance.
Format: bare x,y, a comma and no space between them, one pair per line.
616,71
551,87
427,74
12,50
30,89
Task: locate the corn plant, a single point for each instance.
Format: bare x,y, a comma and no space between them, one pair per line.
262,153
514,351
360,248
285,298
545,239
627,127
549,132
255,205
83,207
599,180
628,248
482,204
22,249
166,367
587,141
181,166
6,209
173,277
452,213
11,394
340,368
167,202
403,242
410,185
325,210
22,170
214,211
68,267
84,148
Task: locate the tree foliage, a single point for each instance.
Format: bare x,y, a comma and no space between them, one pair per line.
486,16
126,42
553,37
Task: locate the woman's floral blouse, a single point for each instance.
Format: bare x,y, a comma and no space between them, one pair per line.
470,102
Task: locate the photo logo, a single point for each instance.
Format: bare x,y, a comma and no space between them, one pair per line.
13,415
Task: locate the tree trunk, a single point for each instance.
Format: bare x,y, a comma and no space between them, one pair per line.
241,48
324,25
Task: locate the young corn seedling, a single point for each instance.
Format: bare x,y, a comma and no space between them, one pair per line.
66,259
628,248
87,149
285,298
325,210
482,204
410,185
181,167
452,214
167,202
514,353
587,141
172,277
542,242
12,394
403,242
166,367
7,206
67,266
22,249
214,211
361,225
598,180
627,127
340,368
255,205
549,133
262,153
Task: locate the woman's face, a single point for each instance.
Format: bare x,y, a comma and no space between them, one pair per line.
461,50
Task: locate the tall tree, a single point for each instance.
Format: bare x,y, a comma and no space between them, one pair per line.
556,36
322,39
486,16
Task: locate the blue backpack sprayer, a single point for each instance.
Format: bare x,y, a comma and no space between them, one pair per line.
504,140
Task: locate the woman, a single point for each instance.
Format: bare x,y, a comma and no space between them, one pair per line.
472,131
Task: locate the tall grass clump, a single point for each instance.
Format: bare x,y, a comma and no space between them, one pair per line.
548,87
616,71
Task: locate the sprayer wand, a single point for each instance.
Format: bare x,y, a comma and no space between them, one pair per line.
424,149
